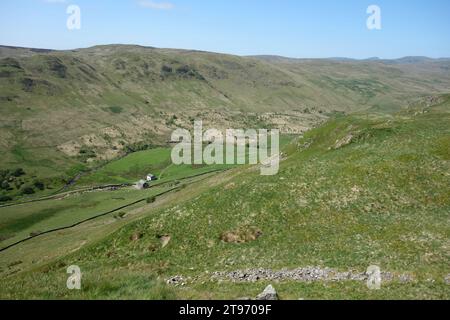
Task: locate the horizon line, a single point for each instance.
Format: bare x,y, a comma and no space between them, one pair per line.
373,58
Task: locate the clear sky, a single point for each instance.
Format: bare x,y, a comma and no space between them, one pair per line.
295,28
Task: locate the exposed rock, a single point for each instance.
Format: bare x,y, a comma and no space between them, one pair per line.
269,293
176,281
164,240
344,141
308,274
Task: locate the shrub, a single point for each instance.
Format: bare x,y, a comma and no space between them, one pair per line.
5,185
18,172
4,174
172,120
151,199
39,185
183,70
5,198
27,190
166,69
139,146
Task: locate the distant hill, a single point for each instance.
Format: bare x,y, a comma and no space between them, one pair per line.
63,108
410,59
6,51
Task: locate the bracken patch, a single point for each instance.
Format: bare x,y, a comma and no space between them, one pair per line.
241,235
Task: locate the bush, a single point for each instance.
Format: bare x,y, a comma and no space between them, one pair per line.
39,185
4,174
166,69
5,185
5,198
139,146
183,70
18,172
27,190
172,120
151,199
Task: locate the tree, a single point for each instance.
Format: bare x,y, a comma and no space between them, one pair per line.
166,69
4,174
5,185
5,198
18,172
39,185
28,190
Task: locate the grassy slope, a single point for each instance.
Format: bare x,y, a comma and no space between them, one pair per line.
107,98
360,190
19,221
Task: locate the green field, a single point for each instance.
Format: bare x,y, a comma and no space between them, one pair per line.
136,166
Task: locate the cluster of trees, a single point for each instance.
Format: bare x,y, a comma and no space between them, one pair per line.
183,71
139,146
9,178
12,180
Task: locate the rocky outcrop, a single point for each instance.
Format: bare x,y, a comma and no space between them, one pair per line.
268,294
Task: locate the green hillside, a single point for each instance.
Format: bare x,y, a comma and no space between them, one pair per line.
369,188
64,112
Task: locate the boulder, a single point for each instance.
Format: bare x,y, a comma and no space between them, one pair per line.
269,293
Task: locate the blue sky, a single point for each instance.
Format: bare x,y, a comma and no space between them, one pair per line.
295,28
